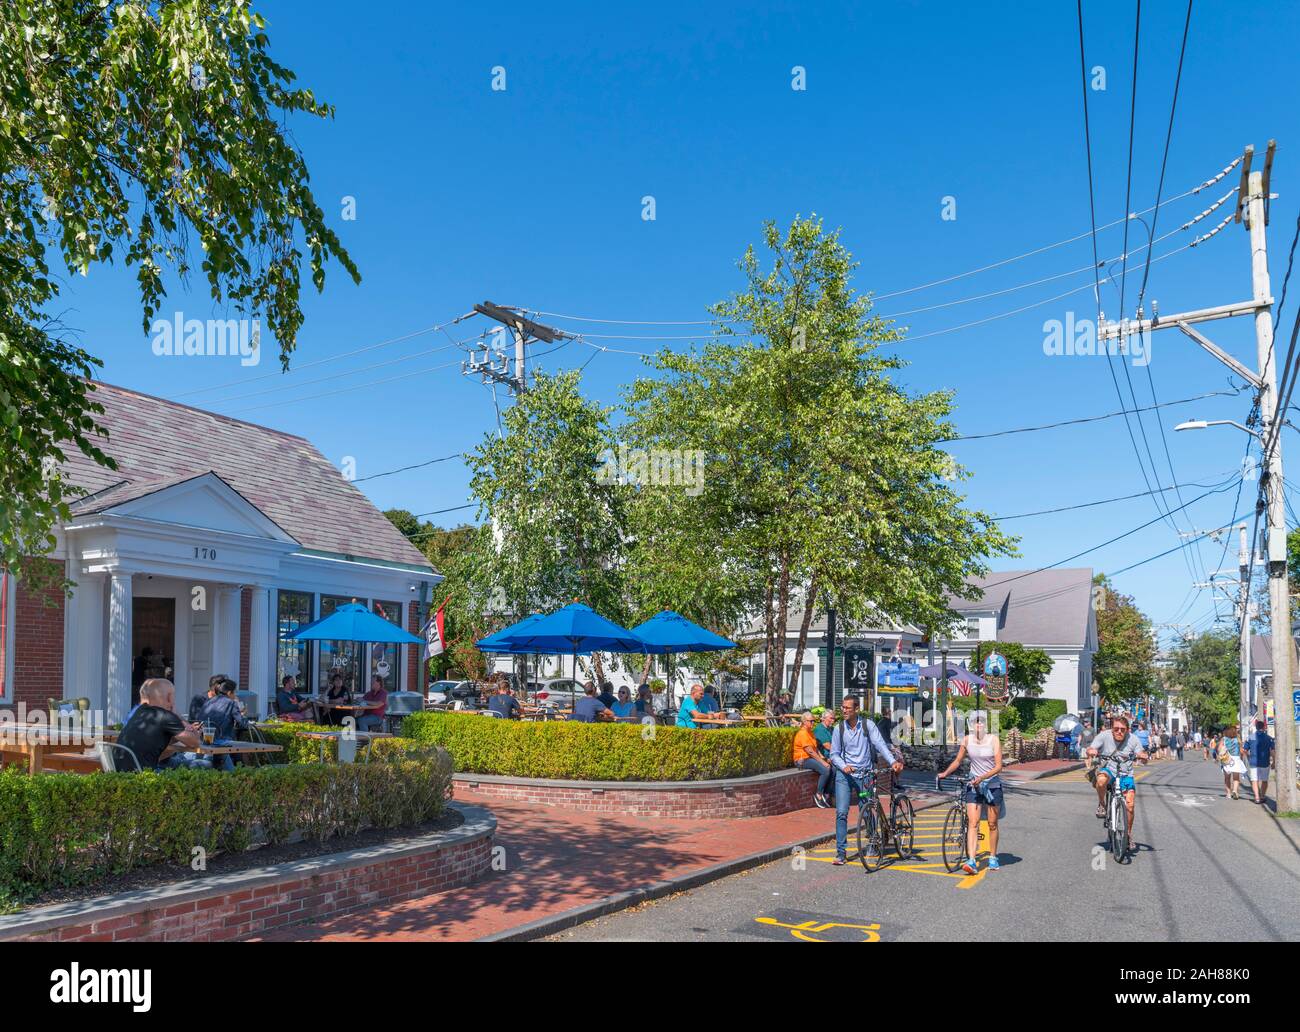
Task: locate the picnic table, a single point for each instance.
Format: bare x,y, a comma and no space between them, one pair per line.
33,744
234,748
333,736
716,720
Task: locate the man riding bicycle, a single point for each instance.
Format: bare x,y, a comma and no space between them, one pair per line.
857,746
1121,748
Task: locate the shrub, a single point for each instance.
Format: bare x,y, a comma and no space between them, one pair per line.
70,829
1036,714
1007,716
307,750
601,752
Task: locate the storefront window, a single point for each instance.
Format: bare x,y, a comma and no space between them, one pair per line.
339,657
293,657
385,658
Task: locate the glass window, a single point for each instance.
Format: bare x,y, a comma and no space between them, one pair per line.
294,608
972,627
6,634
339,657
386,658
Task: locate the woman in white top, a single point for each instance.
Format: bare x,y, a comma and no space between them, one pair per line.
985,753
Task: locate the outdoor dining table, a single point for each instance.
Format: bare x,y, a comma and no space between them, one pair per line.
718,721
33,742
331,736
234,748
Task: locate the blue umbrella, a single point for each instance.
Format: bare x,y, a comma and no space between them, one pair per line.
574,629
956,672
671,632
354,622
501,641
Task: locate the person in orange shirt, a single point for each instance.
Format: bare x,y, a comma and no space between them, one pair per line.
807,756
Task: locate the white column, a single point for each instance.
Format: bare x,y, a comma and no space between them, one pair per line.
259,646
225,606
119,648
87,675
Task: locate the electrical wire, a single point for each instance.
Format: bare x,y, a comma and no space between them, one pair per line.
1103,501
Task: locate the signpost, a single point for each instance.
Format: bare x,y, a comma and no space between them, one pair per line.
859,675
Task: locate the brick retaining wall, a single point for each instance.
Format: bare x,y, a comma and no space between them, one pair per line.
760,796
250,902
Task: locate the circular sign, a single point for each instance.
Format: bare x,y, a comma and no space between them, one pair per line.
995,665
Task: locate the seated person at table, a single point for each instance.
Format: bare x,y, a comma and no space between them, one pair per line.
291,705
645,701
503,702
226,716
590,709
807,755
373,719
607,696
709,702
157,736
623,705
336,692
782,707
199,701
691,705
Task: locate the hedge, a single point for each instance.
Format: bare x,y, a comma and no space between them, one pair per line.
306,750
72,829
1036,714
601,752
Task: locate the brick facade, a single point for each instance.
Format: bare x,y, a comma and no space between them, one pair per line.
761,796
38,645
225,909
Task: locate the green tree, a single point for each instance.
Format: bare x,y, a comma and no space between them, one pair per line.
153,132
1205,672
554,528
1124,666
821,477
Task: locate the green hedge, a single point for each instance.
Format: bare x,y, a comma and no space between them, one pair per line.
1008,716
1036,714
601,752
71,829
306,750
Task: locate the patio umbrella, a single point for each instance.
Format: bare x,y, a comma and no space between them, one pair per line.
574,629
354,622
670,632
956,672
500,641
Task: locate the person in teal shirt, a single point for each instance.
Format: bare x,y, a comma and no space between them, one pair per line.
824,732
709,702
690,706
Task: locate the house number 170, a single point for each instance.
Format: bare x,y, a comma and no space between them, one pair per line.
204,553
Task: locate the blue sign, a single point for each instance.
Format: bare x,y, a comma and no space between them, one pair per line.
897,674
1295,701
995,665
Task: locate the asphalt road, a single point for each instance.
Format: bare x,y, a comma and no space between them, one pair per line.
1206,868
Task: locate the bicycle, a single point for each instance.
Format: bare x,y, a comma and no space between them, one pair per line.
872,823
1116,819
956,826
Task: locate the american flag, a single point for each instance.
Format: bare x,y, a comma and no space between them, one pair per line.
959,686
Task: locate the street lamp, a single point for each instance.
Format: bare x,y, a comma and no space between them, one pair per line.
943,700
1201,424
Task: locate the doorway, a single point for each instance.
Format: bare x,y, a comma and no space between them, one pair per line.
153,641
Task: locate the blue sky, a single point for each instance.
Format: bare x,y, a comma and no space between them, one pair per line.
531,196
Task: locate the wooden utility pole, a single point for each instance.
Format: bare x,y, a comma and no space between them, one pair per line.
1252,210
523,330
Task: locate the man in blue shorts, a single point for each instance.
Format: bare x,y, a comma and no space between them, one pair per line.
1120,748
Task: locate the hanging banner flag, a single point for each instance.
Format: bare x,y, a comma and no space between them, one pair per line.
435,634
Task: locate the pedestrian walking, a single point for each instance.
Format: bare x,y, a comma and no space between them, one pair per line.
1261,753
984,791
1229,756
1180,743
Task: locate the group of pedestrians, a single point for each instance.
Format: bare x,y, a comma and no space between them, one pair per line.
1253,757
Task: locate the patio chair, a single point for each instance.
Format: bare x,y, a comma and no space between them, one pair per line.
104,752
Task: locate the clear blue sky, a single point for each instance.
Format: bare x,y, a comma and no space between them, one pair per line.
532,197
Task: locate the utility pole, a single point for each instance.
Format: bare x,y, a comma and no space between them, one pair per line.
1252,210
523,330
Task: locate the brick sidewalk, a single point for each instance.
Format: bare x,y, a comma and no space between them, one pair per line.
557,860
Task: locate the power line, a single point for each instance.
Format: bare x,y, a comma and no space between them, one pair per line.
1103,501
1088,419
403,469
1161,555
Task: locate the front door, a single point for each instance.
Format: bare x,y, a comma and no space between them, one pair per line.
153,641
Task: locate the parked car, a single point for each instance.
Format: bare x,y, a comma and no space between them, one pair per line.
440,692
557,690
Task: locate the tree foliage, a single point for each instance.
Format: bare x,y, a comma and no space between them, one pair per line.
1205,672
154,133
1124,666
1027,668
823,478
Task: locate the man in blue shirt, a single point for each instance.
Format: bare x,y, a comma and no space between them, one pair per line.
589,709
857,747
1260,751
504,703
223,713
709,702
691,705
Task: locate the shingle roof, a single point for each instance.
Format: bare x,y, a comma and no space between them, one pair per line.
157,442
1261,655
1037,607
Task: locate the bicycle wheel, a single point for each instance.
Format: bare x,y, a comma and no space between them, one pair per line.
1118,828
871,845
954,838
903,819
